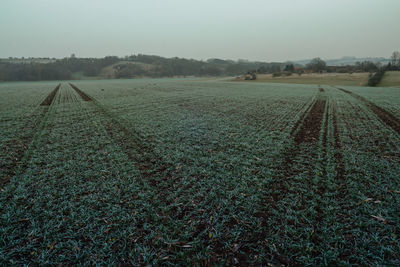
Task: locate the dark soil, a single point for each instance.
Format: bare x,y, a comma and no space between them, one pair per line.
49,99
82,94
311,127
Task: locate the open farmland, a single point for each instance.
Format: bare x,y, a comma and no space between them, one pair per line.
391,79
167,171
353,79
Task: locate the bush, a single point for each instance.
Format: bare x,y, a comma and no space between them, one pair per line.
376,78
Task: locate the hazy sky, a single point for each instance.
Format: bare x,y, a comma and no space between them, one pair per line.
270,30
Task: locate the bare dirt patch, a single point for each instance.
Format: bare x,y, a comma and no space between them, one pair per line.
311,127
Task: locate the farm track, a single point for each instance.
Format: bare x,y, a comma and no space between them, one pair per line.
67,95
311,126
340,168
138,148
342,190
49,99
25,146
308,129
84,96
371,118
301,178
306,124
388,118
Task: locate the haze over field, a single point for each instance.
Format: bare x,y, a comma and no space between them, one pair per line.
211,133
254,30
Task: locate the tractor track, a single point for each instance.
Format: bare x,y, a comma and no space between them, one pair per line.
340,168
82,94
21,155
384,116
138,148
49,99
387,117
306,130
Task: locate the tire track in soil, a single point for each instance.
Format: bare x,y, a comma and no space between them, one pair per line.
384,116
138,148
307,129
49,99
82,94
340,168
342,188
387,117
343,191
22,153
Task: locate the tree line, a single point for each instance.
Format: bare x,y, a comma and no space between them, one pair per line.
62,69
127,67
156,66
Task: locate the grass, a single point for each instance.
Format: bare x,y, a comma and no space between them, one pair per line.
180,171
390,79
354,79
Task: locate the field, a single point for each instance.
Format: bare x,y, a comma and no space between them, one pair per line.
391,79
198,172
354,79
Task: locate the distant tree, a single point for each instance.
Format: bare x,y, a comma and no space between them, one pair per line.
275,68
211,70
375,79
366,66
262,70
289,68
395,60
316,65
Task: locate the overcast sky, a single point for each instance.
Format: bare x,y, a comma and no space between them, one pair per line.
268,30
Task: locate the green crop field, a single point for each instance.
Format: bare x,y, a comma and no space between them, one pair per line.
391,79
198,172
345,79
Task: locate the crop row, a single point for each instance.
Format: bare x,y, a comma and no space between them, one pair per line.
161,172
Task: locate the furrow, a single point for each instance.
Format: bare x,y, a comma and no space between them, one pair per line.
28,144
138,148
388,118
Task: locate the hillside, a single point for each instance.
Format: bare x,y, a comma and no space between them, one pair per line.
391,79
354,79
346,61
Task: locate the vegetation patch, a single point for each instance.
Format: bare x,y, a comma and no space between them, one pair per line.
376,78
390,79
384,115
186,172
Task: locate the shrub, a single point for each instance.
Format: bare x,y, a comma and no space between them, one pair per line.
376,78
